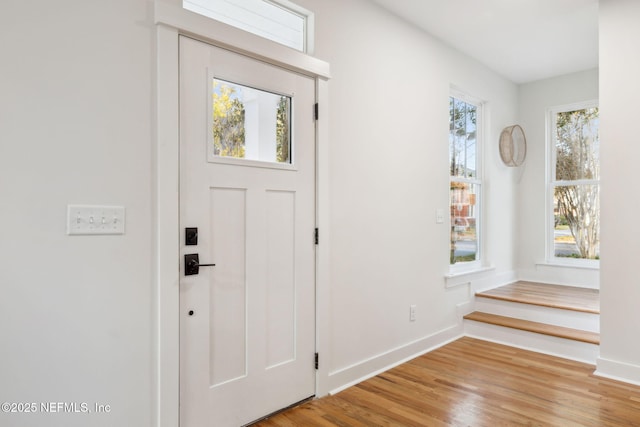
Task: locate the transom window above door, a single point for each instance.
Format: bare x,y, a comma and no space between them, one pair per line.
277,20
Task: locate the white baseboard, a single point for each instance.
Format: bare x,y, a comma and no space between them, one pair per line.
561,275
346,377
619,371
465,308
495,281
490,282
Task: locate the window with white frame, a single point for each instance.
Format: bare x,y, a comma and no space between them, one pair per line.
465,181
574,184
277,20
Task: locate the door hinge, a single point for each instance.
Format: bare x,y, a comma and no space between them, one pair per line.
317,236
317,360
315,111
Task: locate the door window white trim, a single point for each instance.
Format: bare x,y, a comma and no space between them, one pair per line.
292,166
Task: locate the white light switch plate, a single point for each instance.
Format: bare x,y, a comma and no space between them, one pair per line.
439,216
90,219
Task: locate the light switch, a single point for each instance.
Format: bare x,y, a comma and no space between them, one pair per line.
439,216
90,219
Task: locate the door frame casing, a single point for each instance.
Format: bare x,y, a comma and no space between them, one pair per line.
171,21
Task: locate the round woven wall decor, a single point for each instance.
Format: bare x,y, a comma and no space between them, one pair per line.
513,146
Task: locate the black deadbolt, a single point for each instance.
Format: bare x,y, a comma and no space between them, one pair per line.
191,236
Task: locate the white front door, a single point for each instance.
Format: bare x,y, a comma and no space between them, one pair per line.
247,183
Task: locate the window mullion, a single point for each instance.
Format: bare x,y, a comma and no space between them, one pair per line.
576,182
466,180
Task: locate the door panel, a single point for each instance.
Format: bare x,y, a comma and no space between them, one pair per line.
247,324
280,330
228,285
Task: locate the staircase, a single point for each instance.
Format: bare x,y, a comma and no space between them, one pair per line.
553,319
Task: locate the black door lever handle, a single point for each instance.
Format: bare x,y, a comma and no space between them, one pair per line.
192,264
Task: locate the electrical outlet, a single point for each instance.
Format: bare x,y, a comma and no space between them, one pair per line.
412,313
439,216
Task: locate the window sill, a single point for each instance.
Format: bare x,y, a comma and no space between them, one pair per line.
580,265
458,278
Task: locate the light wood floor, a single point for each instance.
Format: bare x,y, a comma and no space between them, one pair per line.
476,383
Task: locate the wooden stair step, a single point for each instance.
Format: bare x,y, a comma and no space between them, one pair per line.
555,296
537,327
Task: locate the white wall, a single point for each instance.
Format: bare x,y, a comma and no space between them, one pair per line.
534,100
75,127
75,107
619,92
389,173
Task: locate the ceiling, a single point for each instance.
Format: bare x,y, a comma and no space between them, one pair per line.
523,40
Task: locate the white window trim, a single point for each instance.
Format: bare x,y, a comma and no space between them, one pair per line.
551,259
477,265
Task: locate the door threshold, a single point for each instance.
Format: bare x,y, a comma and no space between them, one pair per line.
301,402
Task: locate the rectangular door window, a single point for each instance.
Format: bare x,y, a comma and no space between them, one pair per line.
250,124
